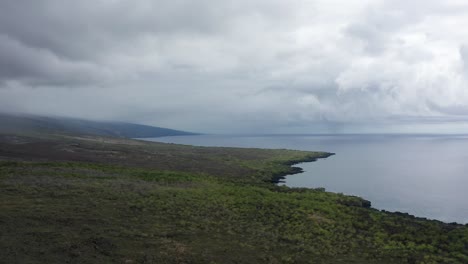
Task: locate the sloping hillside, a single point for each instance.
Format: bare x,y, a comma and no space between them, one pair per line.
19,123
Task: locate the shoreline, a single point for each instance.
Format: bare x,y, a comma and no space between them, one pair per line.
279,177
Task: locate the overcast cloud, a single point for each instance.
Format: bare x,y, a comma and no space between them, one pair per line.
266,66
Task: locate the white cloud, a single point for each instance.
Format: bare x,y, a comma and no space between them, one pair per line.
237,65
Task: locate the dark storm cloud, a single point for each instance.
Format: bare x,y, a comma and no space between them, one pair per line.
67,42
38,66
86,28
47,41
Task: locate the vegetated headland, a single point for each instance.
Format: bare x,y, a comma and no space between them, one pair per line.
280,176
91,199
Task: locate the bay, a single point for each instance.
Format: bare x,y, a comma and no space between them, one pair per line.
424,175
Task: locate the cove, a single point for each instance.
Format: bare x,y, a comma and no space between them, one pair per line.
424,175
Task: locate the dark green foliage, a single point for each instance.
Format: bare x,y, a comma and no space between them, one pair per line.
96,213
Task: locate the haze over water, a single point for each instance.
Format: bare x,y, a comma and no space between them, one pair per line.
424,175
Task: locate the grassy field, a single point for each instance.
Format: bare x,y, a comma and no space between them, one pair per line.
67,199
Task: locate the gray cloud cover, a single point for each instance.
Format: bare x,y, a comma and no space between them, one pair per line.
240,66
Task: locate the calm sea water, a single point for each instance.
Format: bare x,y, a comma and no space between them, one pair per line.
424,175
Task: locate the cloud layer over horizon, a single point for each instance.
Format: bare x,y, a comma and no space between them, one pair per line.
240,66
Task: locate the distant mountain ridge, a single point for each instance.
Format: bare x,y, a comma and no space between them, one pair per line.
23,123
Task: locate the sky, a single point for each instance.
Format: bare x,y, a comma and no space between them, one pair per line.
240,66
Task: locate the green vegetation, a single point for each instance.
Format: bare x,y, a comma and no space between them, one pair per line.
136,202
